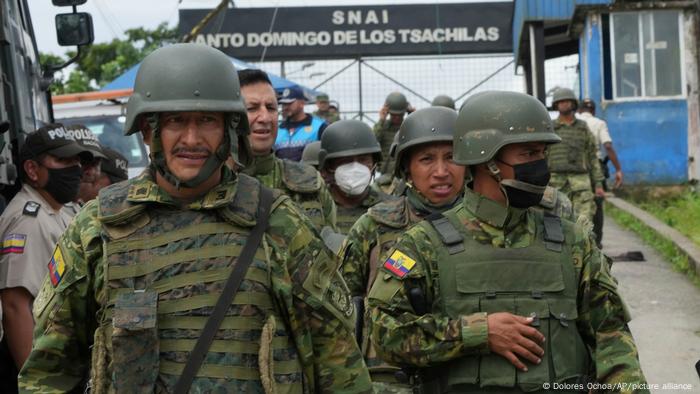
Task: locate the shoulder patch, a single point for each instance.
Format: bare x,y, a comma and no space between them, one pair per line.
13,243
31,208
399,264
57,267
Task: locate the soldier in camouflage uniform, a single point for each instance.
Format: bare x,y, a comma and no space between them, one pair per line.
324,112
347,159
574,163
299,181
491,296
395,107
435,184
135,276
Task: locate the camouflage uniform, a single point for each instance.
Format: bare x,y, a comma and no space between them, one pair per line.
575,167
288,328
384,130
432,295
328,116
557,203
441,336
347,216
302,183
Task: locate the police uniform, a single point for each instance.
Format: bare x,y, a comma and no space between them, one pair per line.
30,229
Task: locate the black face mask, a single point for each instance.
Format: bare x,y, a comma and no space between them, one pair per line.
527,189
63,183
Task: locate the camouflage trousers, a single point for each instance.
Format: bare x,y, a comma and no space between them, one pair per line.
579,190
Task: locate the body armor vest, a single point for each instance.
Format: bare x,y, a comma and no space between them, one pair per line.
570,156
386,138
164,269
538,281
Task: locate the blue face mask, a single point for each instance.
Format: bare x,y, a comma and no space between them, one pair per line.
527,188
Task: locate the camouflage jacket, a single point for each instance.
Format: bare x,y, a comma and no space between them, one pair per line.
292,272
384,130
401,336
347,216
301,182
577,152
557,203
328,116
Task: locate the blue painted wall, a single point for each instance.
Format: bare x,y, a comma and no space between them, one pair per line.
650,138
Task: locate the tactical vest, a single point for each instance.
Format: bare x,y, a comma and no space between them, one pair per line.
386,138
538,281
346,217
570,155
164,269
291,143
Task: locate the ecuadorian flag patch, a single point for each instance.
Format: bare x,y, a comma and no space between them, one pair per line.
13,243
56,267
399,264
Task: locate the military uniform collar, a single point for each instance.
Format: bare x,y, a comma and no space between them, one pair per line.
492,212
576,123
424,207
143,189
261,165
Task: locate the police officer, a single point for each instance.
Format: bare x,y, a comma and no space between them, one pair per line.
443,100
435,184
138,275
396,106
298,128
114,169
324,111
492,296
299,181
30,226
90,169
348,157
574,163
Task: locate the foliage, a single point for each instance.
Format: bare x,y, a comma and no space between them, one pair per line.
101,63
681,212
663,245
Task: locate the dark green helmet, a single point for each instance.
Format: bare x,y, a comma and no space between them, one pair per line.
491,120
561,94
397,103
310,154
345,138
443,101
427,125
190,77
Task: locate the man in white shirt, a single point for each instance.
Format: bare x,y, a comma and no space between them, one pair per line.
599,128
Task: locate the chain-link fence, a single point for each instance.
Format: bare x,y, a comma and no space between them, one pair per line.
359,86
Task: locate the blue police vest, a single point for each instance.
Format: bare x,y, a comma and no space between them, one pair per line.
290,143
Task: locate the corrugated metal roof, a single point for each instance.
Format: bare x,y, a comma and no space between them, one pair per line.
544,10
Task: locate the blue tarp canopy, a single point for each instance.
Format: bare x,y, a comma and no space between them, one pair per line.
126,80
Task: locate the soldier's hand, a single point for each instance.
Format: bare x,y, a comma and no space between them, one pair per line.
599,192
512,337
384,112
618,179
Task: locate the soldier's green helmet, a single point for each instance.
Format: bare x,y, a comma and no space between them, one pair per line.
397,103
310,154
190,77
443,100
562,94
427,125
491,120
345,138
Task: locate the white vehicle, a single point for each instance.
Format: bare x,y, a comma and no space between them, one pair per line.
103,114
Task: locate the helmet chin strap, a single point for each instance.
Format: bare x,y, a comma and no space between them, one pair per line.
211,165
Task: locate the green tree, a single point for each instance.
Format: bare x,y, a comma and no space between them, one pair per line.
103,62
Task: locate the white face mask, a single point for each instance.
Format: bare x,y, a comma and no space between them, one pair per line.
353,178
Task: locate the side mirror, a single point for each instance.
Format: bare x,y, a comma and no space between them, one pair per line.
68,3
74,29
